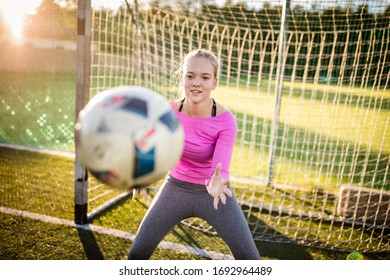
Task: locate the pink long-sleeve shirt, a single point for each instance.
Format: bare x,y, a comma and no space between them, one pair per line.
207,142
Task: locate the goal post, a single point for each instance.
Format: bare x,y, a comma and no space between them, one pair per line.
278,89
83,84
86,194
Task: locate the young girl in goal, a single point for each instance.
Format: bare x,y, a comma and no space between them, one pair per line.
200,180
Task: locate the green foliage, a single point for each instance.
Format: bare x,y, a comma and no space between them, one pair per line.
365,32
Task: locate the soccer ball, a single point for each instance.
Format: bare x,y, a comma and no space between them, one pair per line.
128,137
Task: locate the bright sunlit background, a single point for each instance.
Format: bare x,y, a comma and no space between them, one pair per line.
15,11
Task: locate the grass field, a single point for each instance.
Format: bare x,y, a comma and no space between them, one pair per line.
23,238
37,110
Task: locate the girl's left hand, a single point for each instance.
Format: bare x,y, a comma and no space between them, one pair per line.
218,187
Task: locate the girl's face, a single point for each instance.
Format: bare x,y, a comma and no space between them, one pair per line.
199,79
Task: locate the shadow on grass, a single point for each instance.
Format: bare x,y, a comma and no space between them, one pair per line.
185,236
283,251
90,245
352,100
286,249
350,162
200,234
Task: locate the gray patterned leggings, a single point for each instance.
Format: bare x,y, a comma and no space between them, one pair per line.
177,200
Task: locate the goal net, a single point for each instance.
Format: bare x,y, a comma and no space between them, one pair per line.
308,82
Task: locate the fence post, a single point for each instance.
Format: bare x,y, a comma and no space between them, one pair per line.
278,90
83,74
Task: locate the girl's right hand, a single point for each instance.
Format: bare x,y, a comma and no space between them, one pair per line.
218,187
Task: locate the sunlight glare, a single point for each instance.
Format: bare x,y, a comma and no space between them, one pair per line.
112,4
14,14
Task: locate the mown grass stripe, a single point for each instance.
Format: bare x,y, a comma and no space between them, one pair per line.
113,232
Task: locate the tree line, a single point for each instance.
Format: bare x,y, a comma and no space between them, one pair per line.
367,33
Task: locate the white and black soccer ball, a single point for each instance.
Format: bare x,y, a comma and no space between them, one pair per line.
128,137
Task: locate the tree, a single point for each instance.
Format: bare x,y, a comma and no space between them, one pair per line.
52,21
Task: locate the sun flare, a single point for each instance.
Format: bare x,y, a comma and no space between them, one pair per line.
14,14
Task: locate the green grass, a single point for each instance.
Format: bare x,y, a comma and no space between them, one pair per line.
38,109
37,240
54,197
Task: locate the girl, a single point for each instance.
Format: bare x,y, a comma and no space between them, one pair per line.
200,180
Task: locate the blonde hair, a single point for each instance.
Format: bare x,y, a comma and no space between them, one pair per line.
199,53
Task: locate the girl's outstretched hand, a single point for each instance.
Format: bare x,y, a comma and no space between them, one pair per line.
218,187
